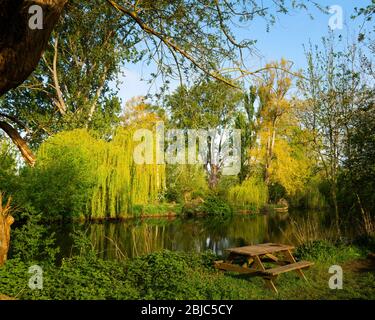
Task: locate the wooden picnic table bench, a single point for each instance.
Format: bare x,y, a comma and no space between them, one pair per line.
250,260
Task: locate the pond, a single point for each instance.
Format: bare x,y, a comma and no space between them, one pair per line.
130,238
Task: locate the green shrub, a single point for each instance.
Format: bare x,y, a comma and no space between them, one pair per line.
365,241
160,275
185,182
33,242
193,208
316,250
225,184
327,252
60,185
215,206
169,275
276,192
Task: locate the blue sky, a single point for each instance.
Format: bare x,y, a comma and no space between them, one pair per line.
285,40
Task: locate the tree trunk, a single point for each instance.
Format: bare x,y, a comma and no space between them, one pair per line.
214,176
269,152
5,222
335,204
21,49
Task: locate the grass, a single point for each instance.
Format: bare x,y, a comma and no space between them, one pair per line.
175,275
157,210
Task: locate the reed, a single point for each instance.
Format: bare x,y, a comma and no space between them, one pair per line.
309,229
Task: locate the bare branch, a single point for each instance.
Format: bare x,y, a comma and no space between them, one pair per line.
169,42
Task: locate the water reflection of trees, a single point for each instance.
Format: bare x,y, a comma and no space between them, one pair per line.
137,238
115,240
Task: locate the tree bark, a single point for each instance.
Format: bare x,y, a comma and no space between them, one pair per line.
5,222
213,179
27,154
336,206
21,49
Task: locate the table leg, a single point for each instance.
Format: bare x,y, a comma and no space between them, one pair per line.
258,264
289,257
269,280
270,284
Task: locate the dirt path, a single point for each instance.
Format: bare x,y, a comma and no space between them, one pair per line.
362,265
4,297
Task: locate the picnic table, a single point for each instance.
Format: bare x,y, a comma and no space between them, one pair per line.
250,260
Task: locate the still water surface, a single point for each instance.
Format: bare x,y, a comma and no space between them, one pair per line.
132,238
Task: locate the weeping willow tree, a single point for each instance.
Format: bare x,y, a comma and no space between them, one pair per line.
103,181
121,183
250,194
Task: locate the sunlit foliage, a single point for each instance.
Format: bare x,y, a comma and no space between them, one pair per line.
252,193
95,178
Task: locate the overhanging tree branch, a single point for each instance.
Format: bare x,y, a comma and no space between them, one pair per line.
169,42
21,48
27,154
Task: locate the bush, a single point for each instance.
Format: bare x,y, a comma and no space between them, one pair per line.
366,241
158,209
193,208
159,275
327,252
185,182
225,184
215,206
33,242
276,192
162,275
252,193
61,183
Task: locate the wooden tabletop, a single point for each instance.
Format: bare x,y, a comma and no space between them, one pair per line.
260,249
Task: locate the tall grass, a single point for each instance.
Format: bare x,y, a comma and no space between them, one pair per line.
252,193
308,230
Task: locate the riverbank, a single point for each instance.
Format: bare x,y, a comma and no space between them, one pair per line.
141,236
178,275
